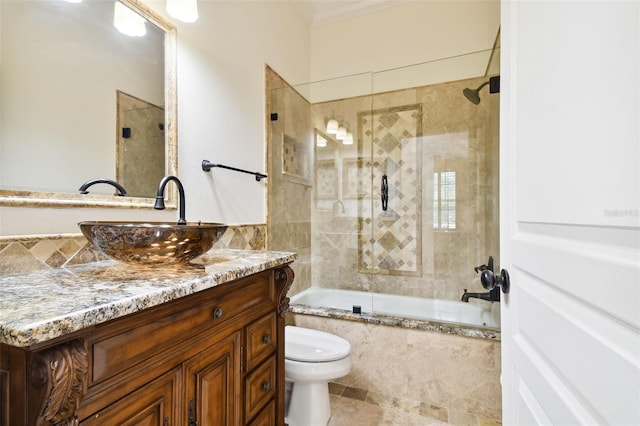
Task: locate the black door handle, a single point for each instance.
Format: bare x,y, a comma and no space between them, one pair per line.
490,281
384,192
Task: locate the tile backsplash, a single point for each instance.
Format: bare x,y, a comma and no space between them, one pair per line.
37,252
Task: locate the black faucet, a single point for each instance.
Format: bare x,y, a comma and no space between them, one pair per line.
121,191
491,296
159,205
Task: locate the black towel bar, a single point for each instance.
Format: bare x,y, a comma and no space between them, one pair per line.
207,166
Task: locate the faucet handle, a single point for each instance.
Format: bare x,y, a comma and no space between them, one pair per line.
488,266
490,281
480,268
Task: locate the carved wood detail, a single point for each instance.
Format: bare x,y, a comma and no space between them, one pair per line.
284,278
62,371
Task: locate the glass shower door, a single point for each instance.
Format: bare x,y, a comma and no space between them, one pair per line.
438,153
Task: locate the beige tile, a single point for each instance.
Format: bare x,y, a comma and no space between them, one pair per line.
460,418
354,393
16,258
336,389
489,422
68,247
345,411
43,250
56,260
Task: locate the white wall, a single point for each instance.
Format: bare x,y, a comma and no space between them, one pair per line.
411,33
221,60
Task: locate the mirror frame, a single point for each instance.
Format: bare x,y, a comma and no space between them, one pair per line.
19,198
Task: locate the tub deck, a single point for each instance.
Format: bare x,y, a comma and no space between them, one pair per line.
474,319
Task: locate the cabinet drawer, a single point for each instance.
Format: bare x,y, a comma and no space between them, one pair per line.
267,416
156,333
261,340
259,387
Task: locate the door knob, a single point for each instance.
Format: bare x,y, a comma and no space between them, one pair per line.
489,280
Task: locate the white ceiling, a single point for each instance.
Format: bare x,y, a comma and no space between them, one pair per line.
320,12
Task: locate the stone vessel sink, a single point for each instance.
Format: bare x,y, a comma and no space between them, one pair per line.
152,243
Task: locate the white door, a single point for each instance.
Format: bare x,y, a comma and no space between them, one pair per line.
570,201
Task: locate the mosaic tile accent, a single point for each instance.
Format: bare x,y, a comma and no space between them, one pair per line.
390,242
40,252
244,237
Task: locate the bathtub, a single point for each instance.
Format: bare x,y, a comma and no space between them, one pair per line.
475,314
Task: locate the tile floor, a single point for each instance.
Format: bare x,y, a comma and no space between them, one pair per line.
352,412
358,407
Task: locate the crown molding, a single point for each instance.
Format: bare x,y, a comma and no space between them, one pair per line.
328,11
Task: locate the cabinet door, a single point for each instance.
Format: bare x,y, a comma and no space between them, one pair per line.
152,405
267,416
213,384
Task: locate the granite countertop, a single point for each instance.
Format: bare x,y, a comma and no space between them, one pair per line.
40,306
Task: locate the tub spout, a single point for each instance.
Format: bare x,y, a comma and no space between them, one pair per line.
491,296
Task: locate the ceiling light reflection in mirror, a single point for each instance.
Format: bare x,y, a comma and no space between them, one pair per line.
127,21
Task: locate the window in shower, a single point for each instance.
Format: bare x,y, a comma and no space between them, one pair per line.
444,200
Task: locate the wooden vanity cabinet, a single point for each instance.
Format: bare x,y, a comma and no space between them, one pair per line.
212,358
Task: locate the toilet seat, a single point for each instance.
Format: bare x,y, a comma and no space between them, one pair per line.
300,371
307,345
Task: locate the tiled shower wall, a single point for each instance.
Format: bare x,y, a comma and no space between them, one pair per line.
424,244
32,253
290,170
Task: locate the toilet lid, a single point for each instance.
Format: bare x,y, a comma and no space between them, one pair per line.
307,345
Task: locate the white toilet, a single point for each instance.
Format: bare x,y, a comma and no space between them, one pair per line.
312,359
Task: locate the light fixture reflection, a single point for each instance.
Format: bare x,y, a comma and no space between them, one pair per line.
342,133
183,10
348,139
127,21
332,126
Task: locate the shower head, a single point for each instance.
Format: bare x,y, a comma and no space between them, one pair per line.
474,95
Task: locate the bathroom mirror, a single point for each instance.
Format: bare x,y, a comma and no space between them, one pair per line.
64,65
